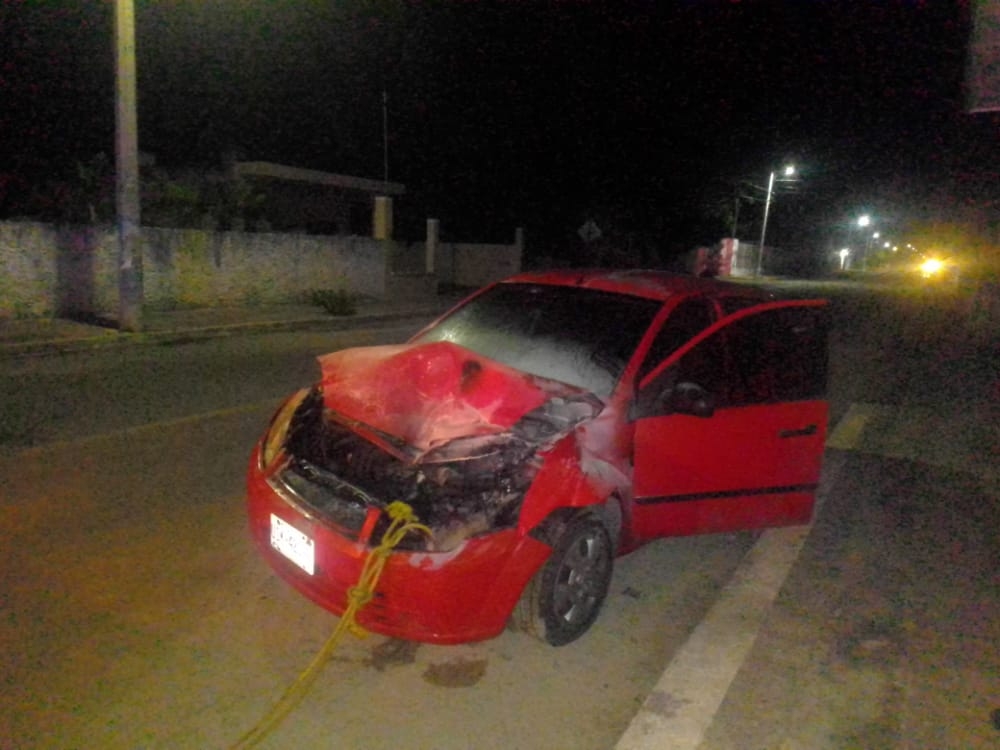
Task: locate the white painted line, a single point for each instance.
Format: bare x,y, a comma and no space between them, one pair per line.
683,704
681,707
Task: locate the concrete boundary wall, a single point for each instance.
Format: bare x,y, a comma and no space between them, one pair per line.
47,271
478,265
465,264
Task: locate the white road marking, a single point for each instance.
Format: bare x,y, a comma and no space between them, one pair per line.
849,431
965,440
683,704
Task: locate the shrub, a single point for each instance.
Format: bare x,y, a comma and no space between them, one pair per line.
334,301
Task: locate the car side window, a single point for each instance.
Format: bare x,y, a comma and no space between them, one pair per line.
734,304
686,321
703,365
778,355
771,356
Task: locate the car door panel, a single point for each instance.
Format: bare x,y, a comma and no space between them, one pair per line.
755,461
738,469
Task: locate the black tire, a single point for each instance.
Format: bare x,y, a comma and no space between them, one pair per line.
564,598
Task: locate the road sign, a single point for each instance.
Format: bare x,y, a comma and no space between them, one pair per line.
589,231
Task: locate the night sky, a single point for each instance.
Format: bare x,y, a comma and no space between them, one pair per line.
647,117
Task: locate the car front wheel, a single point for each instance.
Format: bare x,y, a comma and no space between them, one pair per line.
564,598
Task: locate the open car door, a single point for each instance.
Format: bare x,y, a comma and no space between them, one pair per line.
730,428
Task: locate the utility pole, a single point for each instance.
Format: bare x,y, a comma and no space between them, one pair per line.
385,135
736,213
127,171
788,171
763,227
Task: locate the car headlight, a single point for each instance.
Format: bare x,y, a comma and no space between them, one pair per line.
277,431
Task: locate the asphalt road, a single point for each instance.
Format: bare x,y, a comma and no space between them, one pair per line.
100,391
140,616
134,613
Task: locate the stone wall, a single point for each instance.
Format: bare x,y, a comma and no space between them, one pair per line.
48,271
191,267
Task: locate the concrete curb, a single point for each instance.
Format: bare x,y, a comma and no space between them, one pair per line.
110,338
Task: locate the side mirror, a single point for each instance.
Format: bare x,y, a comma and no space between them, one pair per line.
689,398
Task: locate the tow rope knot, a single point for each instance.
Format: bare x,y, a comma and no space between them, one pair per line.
402,522
358,596
400,511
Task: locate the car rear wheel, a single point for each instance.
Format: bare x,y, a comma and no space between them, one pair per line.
564,598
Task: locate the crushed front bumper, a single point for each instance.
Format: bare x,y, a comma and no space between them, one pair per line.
465,594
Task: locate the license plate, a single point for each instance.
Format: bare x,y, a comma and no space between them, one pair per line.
293,544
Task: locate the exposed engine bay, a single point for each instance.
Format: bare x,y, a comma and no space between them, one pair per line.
460,488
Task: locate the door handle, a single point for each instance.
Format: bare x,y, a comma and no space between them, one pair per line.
801,432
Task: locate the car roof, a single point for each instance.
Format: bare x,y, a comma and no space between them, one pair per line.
652,284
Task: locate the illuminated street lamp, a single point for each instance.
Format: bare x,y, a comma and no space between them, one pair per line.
788,171
844,252
863,221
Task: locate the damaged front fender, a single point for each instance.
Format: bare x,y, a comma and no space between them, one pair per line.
588,467
560,483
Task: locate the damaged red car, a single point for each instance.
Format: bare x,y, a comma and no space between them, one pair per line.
542,427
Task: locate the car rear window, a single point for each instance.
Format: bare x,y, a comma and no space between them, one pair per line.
583,337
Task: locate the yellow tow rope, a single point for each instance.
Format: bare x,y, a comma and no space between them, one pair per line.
403,521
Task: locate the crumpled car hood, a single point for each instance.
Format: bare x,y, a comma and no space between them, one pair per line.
428,394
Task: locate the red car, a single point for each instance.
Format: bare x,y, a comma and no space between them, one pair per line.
540,428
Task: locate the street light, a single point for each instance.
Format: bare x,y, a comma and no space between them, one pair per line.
863,221
844,252
788,171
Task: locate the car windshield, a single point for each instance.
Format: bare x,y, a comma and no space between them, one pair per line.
578,336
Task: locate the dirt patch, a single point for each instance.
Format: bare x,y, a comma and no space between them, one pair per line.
456,673
392,653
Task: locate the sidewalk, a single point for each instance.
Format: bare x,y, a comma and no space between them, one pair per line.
44,336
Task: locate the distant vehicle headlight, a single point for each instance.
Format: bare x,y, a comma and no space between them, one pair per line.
931,267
